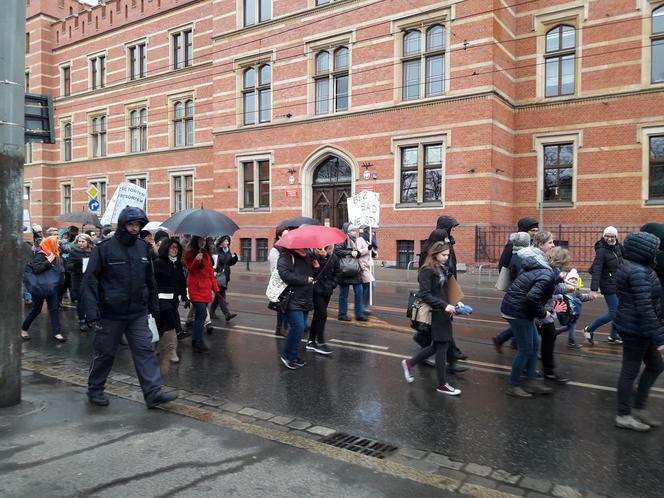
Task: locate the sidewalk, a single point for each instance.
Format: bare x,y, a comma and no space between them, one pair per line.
55,444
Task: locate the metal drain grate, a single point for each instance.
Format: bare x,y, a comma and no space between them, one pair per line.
360,445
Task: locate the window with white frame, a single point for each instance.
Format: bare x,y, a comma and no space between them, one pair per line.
656,168
65,81
257,94
66,198
182,47
421,173
67,141
137,61
657,44
331,80
182,191
98,136
138,130
183,122
255,183
256,11
100,185
560,61
97,71
423,62
558,172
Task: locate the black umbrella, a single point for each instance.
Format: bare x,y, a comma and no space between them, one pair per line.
201,222
298,221
80,217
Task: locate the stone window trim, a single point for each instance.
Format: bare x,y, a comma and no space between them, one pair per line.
644,134
330,44
97,70
182,174
260,13
143,64
128,109
420,21
649,7
573,15
254,59
172,33
66,204
63,121
398,144
91,131
539,142
65,90
172,101
240,160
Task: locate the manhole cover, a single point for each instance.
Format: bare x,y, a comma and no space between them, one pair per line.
360,445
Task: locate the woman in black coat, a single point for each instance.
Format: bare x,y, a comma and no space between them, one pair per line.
639,323
225,259
171,288
295,268
81,251
433,278
608,258
326,269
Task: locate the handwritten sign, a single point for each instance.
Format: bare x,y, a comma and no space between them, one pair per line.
364,209
127,194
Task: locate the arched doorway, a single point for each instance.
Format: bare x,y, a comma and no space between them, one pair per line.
331,187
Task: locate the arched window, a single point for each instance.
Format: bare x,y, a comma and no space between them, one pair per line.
138,130
560,61
257,94
98,137
423,62
183,123
331,80
657,41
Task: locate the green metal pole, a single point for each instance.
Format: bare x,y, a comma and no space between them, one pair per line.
12,156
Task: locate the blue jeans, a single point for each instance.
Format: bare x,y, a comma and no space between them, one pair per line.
505,336
528,344
297,320
358,290
612,304
281,319
200,309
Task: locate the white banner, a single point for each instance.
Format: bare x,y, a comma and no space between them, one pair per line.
127,194
364,209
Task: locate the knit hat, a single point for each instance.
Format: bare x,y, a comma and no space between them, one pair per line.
36,228
351,227
610,231
572,274
519,241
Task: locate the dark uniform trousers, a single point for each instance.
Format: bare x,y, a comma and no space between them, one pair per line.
105,345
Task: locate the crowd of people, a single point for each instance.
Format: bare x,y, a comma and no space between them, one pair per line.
119,279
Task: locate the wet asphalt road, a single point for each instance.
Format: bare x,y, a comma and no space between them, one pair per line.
567,438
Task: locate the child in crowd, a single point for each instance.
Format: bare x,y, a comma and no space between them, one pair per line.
574,299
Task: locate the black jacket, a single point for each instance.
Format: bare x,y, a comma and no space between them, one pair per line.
433,291
295,271
639,311
40,264
605,266
526,297
119,281
523,225
75,260
438,235
448,223
326,274
224,262
169,275
343,250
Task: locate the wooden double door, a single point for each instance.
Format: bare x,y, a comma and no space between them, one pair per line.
330,204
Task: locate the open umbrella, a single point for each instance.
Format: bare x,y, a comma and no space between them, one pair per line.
201,222
298,221
80,217
311,236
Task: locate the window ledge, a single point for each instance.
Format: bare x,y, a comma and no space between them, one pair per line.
404,205
255,210
655,202
558,205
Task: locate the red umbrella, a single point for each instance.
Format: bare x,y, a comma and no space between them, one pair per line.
310,236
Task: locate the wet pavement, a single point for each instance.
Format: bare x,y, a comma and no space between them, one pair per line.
566,438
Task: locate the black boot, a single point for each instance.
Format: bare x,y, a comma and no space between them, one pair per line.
161,398
230,316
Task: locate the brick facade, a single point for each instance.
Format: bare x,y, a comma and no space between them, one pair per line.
486,99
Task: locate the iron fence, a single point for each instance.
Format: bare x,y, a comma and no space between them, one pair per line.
579,239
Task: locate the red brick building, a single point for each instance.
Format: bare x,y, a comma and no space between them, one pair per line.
265,109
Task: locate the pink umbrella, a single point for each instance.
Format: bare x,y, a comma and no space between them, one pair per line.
310,236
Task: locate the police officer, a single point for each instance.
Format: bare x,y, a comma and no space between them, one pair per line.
118,292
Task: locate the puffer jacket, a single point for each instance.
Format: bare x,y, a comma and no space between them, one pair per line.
639,290
295,271
605,266
532,289
119,281
523,225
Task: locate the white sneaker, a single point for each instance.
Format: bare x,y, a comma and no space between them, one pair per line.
645,417
588,335
629,422
406,372
449,390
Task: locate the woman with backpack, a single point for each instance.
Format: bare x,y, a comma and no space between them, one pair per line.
46,259
434,277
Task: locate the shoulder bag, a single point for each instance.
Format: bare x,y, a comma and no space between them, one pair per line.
42,284
503,283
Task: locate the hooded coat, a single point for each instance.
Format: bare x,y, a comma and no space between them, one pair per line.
532,288
523,225
438,235
225,259
448,223
119,281
605,266
201,281
639,290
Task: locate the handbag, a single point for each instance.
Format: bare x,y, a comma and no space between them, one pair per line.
412,297
504,281
221,280
276,286
42,284
349,267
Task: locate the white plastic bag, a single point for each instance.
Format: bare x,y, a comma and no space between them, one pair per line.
275,287
152,323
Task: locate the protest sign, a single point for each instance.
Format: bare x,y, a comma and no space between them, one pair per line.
127,194
364,209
